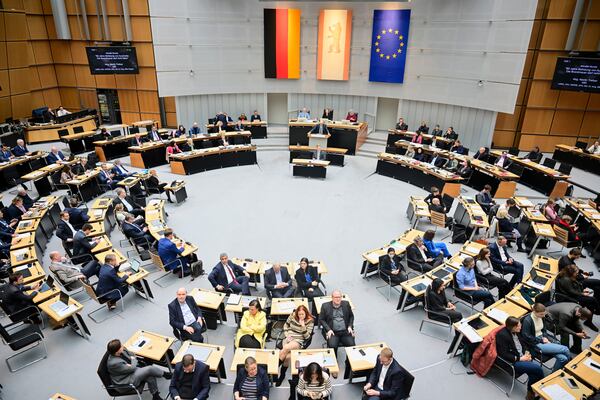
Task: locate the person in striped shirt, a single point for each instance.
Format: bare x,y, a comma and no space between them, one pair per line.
314,383
297,331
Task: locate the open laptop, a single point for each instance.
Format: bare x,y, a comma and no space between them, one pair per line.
537,281
48,284
23,270
477,323
62,304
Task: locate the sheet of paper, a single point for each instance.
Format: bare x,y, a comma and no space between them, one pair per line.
137,345
306,359
472,249
287,306
556,392
470,333
498,315
234,299
71,308
535,285
199,352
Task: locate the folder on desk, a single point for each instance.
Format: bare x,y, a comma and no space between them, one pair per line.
234,299
199,352
477,323
544,266
557,392
441,273
306,359
23,270
419,287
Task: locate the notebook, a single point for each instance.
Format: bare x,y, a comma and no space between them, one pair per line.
62,304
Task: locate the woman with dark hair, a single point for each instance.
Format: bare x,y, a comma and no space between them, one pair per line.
435,248
437,301
179,132
105,134
417,137
314,383
420,155
307,279
534,155
465,168
65,174
435,192
486,271
297,331
172,148
252,327
568,285
251,382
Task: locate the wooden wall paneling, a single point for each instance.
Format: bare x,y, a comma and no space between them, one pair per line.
537,121
140,27
18,54
148,101
33,6
72,7
566,123
540,95
172,120
76,27
129,117
37,99
572,100
61,51
93,26
52,97
78,53
594,102
508,122
84,78
115,24
561,9
528,67
146,79
21,105
47,7
15,25
139,7
545,64
3,56
2,27
88,98
69,98
34,81
125,81
50,28
555,35
36,24
5,108
523,91
145,54
105,81
545,143
503,138
152,116
128,101
13,4
19,80
42,53
591,122
65,75
594,11
170,104
4,84
591,35
47,76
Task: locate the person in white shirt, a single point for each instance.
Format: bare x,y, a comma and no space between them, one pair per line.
386,379
61,111
595,148
186,317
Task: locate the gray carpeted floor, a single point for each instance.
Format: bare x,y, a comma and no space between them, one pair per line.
264,213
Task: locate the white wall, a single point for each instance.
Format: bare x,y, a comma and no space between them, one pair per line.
452,45
201,107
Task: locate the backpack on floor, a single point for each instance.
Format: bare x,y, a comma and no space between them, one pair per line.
459,233
197,269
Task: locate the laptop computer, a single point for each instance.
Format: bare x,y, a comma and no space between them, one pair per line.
23,270
47,285
477,323
62,304
544,266
441,273
419,287
537,281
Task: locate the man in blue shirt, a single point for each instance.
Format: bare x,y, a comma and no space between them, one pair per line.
465,280
304,114
169,253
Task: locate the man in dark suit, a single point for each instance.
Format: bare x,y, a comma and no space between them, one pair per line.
106,177
438,161
386,379
484,199
82,244
337,320
500,258
140,235
419,258
55,155
320,128
18,303
255,116
186,317
194,130
138,140
77,216
153,135
450,134
221,116
119,171
401,125
169,253
20,149
391,265
108,281
567,318
481,155
65,230
128,202
227,275
190,380
16,209
7,228
278,281
5,154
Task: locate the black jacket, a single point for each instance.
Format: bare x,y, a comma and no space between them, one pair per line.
271,280
301,278
15,298
176,316
505,346
128,199
414,254
393,384
569,287
82,244
326,315
12,212
63,231
200,381
386,263
262,382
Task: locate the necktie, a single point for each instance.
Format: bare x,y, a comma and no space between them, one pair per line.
393,264
231,273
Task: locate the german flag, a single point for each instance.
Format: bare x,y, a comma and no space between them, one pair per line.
282,43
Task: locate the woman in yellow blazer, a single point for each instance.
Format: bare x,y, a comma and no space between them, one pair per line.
252,327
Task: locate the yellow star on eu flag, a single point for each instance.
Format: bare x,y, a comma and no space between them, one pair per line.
401,37
387,57
377,50
383,32
376,43
381,55
402,44
390,30
378,36
393,55
399,51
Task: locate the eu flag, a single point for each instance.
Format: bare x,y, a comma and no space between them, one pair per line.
388,45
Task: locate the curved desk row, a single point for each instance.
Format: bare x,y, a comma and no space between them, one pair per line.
394,135
577,157
19,166
349,136
53,132
195,161
257,128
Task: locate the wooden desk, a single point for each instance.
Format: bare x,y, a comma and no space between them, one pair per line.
457,260
414,287
49,132
114,148
319,301
372,256
26,226
23,256
191,162
178,190
579,367
310,168
329,359
516,296
71,316
595,345
358,365
417,208
523,202
244,301
547,286
469,213
33,266
349,136
214,359
564,381
334,155
26,239
268,357
60,396
545,264
577,157
445,272
102,255
541,231
534,215
41,297
481,333
156,348
284,307
211,303
472,248
503,309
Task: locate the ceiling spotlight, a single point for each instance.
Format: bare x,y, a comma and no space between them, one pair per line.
480,83
192,73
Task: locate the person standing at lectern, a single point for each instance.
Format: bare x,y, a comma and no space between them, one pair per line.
320,128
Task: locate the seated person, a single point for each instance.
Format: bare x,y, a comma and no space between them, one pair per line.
337,320
304,113
327,114
82,242
314,383
297,331
464,168
437,206
503,161
484,199
534,155
457,147
251,333
352,116
391,266
438,160
79,167
255,117
55,155
227,275
106,177
5,154
18,304
140,235
401,125
123,369
410,151
549,210
508,205
66,175
7,228
27,200
435,193
16,209
121,215
450,134
567,284
20,149
482,154
179,132
424,129
486,271
154,184
172,148
278,282
566,222
69,275
538,341
138,140
452,164
128,202
320,128
251,382
194,130
119,171
420,155
170,252
418,257
191,379
506,227
439,304
185,317
511,348
61,112
595,148
435,248
437,131
567,318
307,279
386,380
466,281
153,135
504,262
108,281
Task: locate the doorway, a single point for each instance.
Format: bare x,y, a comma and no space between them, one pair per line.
108,106
387,111
277,106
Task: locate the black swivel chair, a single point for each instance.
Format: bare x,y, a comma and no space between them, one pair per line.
565,168
22,337
549,162
513,151
581,145
112,389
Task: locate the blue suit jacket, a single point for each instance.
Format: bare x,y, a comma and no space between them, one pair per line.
495,254
218,276
200,381
5,230
52,158
176,316
20,151
77,216
109,280
168,251
103,178
5,155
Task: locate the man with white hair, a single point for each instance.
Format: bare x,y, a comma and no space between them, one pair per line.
186,317
128,202
20,149
71,275
304,113
55,156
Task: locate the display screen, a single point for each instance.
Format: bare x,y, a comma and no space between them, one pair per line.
578,74
112,60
